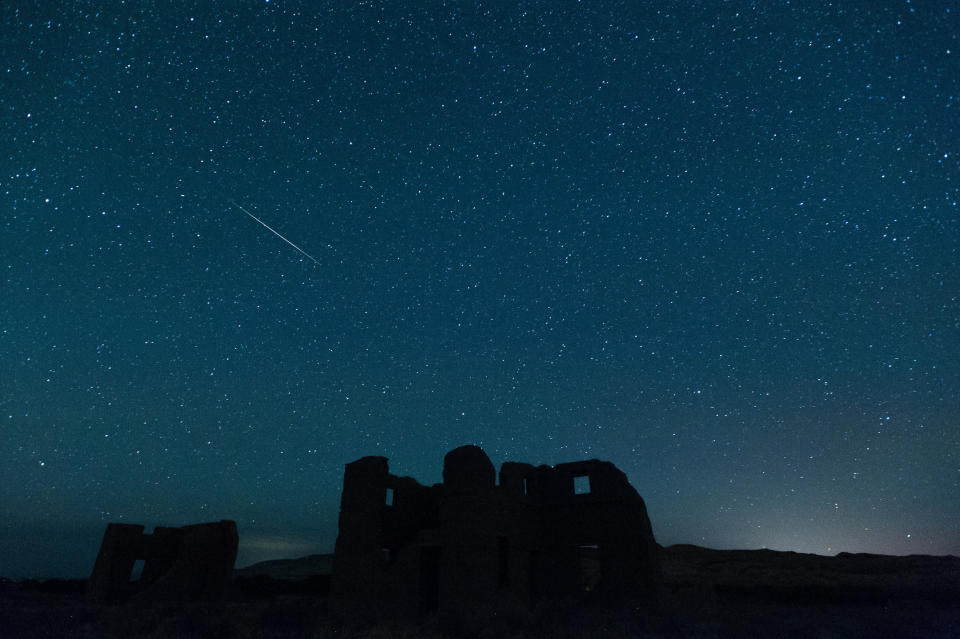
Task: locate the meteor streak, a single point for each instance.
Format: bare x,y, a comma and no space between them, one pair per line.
274,232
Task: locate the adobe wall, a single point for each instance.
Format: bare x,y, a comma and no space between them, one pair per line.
190,563
405,549
611,516
376,559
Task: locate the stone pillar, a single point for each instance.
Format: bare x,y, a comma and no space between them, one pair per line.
469,529
358,555
110,580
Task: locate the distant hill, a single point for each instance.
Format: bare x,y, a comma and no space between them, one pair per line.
790,576
301,568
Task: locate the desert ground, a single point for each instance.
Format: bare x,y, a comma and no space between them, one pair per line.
705,594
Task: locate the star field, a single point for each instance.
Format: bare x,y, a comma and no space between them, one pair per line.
714,243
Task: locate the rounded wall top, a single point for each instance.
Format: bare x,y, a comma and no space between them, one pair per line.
468,469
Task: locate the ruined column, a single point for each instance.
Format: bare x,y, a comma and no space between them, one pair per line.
119,550
358,554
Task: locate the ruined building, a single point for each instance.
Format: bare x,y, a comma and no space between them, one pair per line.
403,548
191,563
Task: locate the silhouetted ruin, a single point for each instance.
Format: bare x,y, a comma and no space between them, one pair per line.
403,548
190,563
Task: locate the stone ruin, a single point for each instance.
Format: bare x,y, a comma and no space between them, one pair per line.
404,549
191,563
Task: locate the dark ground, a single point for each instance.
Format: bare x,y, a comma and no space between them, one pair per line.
706,594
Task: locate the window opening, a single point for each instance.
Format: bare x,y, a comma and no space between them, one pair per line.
588,559
581,485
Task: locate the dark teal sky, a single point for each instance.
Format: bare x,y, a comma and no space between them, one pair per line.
714,243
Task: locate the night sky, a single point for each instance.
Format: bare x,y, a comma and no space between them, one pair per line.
715,243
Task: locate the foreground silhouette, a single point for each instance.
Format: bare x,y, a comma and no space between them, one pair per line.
191,563
564,551
403,550
710,594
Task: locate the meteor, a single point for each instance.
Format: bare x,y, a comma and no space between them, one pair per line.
274,232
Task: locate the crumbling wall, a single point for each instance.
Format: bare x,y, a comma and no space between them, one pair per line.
403,548
599,532
191,563
384,523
